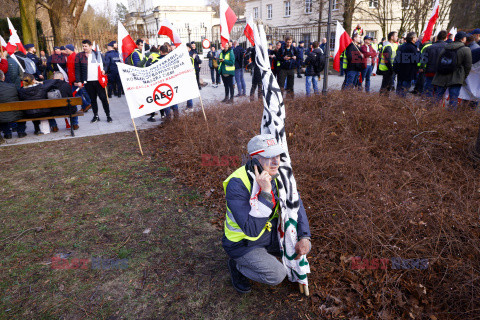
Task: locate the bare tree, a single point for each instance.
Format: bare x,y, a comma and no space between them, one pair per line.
64,17
28,14
464,14
238,6
10,8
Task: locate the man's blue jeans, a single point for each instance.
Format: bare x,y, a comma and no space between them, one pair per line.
308,84
190,103
402,87
453,92
241,87
7,127
174,108
428,87
366,77
352,79
82,93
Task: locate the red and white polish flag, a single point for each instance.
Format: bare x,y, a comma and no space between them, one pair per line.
431,22
166,29
126,45
249,30
453,32
3,43
227,20
14,41
342,41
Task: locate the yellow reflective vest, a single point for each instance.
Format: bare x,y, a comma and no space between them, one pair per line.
233,232
382,66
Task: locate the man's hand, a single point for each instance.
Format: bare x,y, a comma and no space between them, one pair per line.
286,58
302,247
40,77
78,84
294,58
263,180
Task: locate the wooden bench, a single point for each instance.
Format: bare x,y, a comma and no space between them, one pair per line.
44,104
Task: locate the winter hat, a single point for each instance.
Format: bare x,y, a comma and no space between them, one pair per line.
70,47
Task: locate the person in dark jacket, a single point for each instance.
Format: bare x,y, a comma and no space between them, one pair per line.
287,57
57,58
239,53
31,54
454,81
86,74
211,56
33,90
8,93
197,62
257,76
247,240
15,73
405,64
301,57
312,75
429,59
111,58
354,62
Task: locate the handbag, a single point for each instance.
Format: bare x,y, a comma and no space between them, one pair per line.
215,63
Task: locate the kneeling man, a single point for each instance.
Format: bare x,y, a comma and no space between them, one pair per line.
251,237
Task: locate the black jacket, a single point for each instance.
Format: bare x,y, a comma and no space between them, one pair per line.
8,93
56,59
431,55
406,62
111,59
310,61
284,52
36,92
354,58
239,53
38,64
81,66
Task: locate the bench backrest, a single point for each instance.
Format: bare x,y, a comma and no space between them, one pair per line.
39,104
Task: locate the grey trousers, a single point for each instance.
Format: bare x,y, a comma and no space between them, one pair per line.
260,266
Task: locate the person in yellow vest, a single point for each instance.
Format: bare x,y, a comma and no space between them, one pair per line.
385,65
226,68
137,56
250,231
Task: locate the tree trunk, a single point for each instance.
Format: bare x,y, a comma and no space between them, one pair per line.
28,13
349,7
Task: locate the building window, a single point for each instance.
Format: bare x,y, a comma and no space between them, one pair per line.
308,6
405,4
255,13
371,34
373,3
306,37
287,8
269,11
335,5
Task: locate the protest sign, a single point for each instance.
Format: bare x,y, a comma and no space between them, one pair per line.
169,81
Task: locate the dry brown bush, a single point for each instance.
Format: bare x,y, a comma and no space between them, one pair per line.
380,178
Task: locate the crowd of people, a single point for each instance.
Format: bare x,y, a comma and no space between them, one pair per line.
65,73
430,67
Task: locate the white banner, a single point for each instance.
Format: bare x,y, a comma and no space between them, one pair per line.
171,80
471,91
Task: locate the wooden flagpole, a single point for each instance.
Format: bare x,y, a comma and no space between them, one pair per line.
138,138
203,110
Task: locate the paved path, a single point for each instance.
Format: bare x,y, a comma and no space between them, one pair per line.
121,116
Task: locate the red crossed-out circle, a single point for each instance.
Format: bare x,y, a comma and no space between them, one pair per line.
162,95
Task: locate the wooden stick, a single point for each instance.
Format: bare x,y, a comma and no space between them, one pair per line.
106,93
300,287
203,109
138,138
307,292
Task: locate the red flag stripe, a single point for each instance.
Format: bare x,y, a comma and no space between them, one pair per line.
249,34
345,41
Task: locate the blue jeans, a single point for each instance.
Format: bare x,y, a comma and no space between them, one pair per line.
190,103
241,87
308,84
428,87
174,108
352,79
83,93
402,87
453,92
366,77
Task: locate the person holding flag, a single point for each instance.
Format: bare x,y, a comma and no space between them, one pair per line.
88,74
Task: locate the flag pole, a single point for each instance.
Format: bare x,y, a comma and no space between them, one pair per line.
203,110
327,47
138,138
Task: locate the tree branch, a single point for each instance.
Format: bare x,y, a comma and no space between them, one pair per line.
44,4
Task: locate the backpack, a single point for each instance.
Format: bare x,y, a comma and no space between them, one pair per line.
29,65
319,63
54,94
447,62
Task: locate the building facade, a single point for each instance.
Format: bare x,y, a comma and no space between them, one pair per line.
192,22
